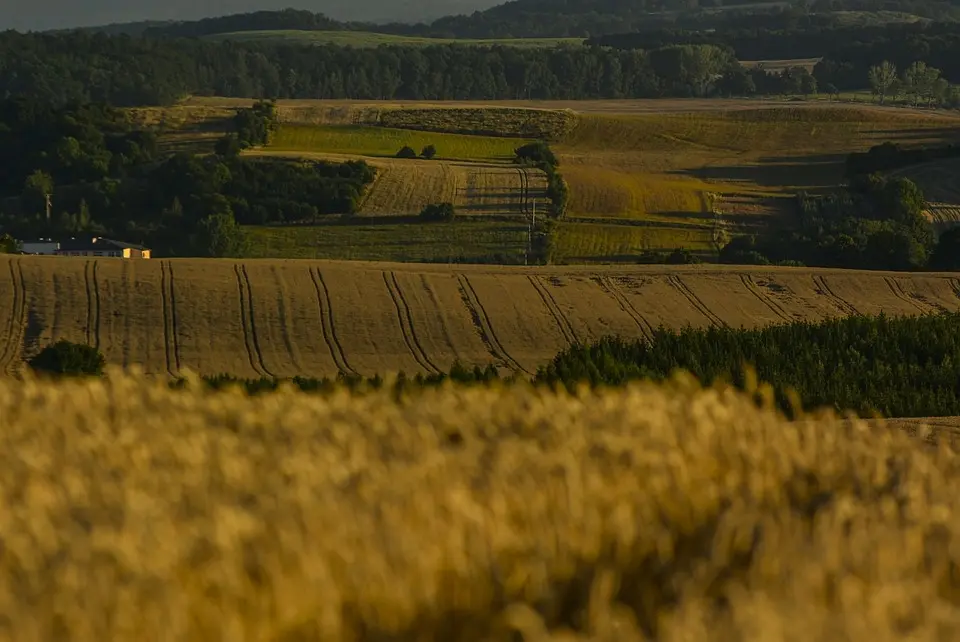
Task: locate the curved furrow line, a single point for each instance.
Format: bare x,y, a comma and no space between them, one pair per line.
245,321
174,325
694,300
96,304
482,323
406,324
566,329
18,319
609,286
325,309
258,353
165,306
825,290
899,292
754,289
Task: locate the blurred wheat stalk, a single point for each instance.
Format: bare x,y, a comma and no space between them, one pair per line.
130,512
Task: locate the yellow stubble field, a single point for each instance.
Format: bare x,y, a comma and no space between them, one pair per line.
316,318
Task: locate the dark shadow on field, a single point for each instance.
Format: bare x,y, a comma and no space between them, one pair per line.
947,134
32,334
808,172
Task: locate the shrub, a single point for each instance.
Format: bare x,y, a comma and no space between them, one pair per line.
438,212
535,154
429,152
406,152
64,358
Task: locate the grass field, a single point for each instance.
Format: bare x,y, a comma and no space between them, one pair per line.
139,514
382,141
287,317
371,39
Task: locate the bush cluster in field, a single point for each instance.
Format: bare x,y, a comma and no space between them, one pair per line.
504,121
136,513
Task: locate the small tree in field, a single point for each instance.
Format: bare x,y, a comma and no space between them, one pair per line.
407,152
441,212
64,358
429,152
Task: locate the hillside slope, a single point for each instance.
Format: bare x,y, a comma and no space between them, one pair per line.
285,318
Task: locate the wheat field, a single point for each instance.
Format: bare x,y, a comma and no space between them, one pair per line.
317,318
135,513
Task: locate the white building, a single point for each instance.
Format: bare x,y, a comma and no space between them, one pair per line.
42,246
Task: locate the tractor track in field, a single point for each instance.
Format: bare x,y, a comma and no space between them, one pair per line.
325,307
754,289
92,287
608,285
18,319
283,309
524,190
171,342
566,328
823,288
695,301
897,289
247,321
482,322
407,329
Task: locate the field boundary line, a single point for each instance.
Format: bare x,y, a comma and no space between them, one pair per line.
841,303
695,301
754,289
245,319
325,306
566,328
88,330
482,322
405,317
899,292
18,319
608,285
164,302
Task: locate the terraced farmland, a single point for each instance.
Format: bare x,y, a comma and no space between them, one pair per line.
283,318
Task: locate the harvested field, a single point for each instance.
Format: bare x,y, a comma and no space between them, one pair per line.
460,515
316,318
372,39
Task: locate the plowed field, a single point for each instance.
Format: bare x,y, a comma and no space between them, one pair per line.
285,318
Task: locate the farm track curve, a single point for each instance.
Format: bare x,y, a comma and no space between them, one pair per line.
407,329
248,322
754,289
695,301
824,288
482,321
18,320
610,286
897,289
566,328
325,308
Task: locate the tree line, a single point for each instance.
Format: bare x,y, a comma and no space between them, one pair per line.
82,68
104,176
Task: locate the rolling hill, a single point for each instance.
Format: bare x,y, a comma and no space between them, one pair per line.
284,318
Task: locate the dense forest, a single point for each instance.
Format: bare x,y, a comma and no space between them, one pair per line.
899,367
106,177
122,71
